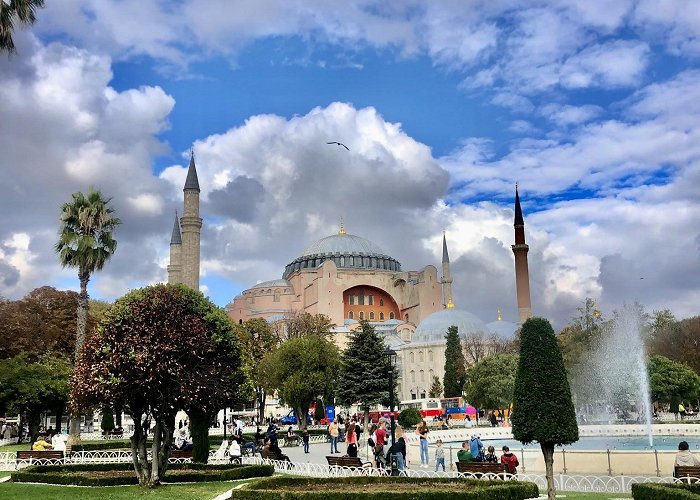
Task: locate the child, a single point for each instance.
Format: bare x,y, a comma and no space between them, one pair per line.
305,439
491,456
439,455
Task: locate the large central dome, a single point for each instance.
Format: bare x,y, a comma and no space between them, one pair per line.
343,243
347,251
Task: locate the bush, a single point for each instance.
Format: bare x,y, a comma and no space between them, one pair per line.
410,417
654,491
76,474
433,489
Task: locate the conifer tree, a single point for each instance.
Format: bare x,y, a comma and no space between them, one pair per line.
543,410
364,371
435,390
455,371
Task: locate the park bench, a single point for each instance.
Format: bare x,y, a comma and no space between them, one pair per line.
180,453
687,474
268,455
39,456
478,469
346,461
291,441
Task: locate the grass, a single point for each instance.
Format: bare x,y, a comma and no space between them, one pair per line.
18,491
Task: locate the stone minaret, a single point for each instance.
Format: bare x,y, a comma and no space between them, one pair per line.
191,225
446,277
175,267
522,278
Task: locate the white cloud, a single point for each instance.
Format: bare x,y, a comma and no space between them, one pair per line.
566,115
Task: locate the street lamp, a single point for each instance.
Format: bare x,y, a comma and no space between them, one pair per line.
390,355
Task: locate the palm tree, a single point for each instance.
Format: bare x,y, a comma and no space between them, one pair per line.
12,11
85,242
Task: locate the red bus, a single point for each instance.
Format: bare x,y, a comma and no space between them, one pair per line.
429,407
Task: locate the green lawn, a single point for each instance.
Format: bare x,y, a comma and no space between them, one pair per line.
18,491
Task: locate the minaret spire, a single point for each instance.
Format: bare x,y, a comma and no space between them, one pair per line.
522,277
191,225
175,266
446,276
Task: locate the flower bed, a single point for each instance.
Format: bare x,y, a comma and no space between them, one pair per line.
387,488
121,474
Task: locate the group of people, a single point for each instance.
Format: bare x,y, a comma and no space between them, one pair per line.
50,440
473,451
348,431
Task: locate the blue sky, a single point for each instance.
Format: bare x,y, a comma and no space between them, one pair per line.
591,107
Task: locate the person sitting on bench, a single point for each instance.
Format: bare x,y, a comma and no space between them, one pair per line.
684,458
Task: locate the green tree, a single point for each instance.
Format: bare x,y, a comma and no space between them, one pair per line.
672,382
676,340
364,370
491,381
107,422
13,12
300,370
159,349
435,390
455,371
85,242
304,324
543,410
256,339
30,385
410,417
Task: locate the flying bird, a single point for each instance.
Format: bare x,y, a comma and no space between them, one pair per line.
339,144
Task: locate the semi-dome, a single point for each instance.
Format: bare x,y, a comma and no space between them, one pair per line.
272,283
348,251
434,327
505,330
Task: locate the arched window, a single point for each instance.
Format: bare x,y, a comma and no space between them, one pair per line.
391,315
422,376
240,321
413,376
420,357
371,315
362,315
431,374
430,356
381,316
350,315
412,357
381,302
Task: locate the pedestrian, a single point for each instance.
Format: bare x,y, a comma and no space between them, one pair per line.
379,442
305,440
510,460
439,455
494,419
681,410
398,451
476,447
351,439
333,433
422,431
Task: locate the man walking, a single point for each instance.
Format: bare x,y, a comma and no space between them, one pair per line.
334,432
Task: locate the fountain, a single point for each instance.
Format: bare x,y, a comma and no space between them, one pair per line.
616,372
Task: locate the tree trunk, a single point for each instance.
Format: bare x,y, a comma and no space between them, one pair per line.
199,430
84,277
156,456
138,450
33,420
301,417
59,418
548,453
261,405
366,426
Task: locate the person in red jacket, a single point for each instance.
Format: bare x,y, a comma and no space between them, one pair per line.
510,460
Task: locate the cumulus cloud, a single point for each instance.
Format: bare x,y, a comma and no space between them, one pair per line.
71,130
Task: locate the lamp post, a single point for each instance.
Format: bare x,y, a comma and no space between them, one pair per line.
390,355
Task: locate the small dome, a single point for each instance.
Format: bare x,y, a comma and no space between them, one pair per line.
505,330
434,327
272,283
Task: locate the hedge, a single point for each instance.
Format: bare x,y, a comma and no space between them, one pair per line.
654,491
177,473
274,488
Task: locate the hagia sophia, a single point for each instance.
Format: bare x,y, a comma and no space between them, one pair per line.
349,278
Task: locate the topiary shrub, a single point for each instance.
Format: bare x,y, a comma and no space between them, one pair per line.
383,488
655,491
410,417
80,475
